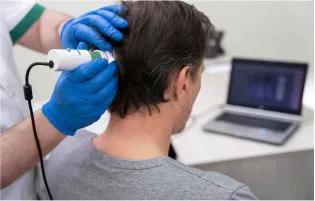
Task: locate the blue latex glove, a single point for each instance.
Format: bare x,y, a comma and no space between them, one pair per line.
82,95
91,28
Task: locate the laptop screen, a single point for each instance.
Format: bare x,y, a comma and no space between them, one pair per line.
267,85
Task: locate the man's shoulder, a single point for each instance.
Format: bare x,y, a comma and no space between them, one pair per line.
213,178
81,137
71,146
212,184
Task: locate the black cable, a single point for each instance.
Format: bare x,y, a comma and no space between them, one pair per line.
29,96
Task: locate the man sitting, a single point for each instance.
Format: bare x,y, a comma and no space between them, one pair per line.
160,65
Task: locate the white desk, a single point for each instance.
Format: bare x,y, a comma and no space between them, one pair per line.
194,146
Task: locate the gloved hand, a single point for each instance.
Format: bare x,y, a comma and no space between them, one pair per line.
91,28
82,95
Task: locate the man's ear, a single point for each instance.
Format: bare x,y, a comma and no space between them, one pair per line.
182,82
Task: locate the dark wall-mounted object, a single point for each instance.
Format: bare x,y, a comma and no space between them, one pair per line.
214,48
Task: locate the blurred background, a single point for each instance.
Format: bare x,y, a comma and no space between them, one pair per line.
277,30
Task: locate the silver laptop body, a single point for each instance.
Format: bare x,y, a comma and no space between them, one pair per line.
264,101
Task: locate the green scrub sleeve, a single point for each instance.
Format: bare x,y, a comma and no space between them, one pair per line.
30,18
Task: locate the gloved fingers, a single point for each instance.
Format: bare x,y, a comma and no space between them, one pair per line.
83,46
103,26
115,8
100,80
105,92
87,34
113,18
65,25
87,70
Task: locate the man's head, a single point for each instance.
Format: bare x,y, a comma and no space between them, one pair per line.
160,60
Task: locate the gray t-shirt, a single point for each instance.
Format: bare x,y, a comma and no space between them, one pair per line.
76,170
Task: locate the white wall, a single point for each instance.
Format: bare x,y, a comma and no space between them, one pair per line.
279,30
275,30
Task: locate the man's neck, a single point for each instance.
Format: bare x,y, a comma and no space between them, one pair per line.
136,137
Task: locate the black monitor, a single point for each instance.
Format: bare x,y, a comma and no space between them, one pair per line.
267,85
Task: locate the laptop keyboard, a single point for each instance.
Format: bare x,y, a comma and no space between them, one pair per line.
254,122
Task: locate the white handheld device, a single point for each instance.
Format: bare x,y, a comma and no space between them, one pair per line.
67,59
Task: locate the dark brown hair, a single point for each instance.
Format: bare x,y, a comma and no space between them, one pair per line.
162,37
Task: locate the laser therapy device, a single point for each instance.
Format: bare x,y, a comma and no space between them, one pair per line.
59,60
66,59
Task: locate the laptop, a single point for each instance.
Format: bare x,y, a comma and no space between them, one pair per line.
264,101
